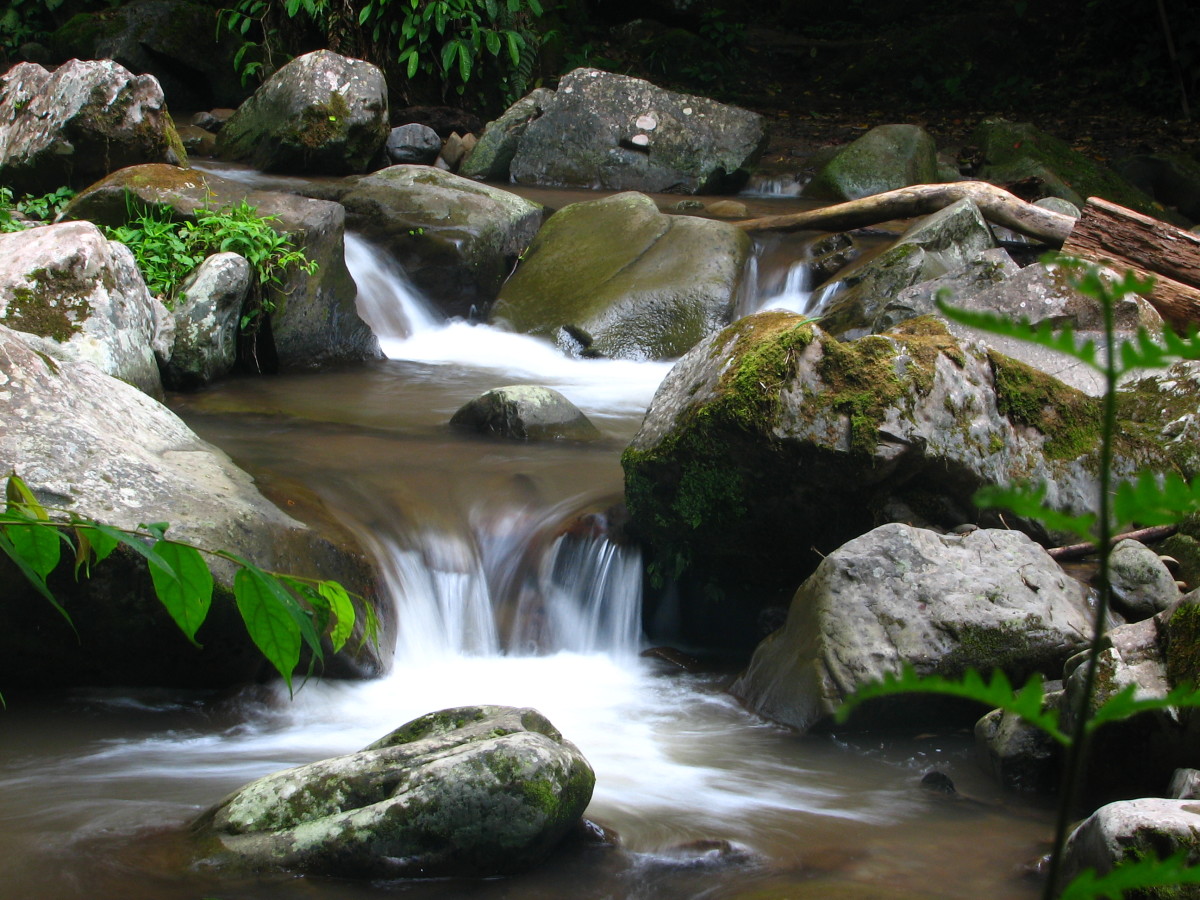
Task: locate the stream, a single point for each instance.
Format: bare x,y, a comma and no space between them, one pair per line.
495,606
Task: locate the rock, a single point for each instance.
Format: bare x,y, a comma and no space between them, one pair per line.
727,209
526,412
990,599
493,154
84,298
181,44
455,148
196,141
614,132
321,114
617,278
455,238
772,443
1185,784
206,316
989,268
1018,152
1141,584
1019,755
1130,830
445,120
92,446
946,242
885,158
468,791
315,321
1172,179
413,143
78,123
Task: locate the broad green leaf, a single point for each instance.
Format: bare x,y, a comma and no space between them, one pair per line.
270,624
1148,501
998,693
343,611
20,499
186,590
1046,334
1125,704
38,545
101,542
1130,876
1030,503
38,582
492,39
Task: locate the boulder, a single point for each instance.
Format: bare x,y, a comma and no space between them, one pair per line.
772,443
84,298
988,599
1172,179
78,123
885,158
413,143
469,791
1141,583
617,278
455,238
315,321
207,314
493,153
321,114
1130,830
1021,756
181,44
526,412
979,273
90,445
608,131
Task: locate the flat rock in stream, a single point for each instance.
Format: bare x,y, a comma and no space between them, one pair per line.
526,412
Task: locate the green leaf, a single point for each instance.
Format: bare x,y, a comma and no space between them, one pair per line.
185,590
492,39
1130,876
38,582
1031,504
1125,704
38,546
1149,502
19,498
269,623
997,693
343,611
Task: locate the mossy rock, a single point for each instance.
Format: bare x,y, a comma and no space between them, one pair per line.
885,158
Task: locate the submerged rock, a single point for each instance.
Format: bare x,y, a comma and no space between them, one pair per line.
526,412
617,278
885,158
469,791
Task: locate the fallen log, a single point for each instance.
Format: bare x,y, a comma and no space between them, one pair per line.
1079,551
997,205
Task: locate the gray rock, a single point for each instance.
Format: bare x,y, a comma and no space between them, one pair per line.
90,445
617,278
78,123
991,267
990,599
885,158
1129,830
1021,756
1185,784
84,297
315,321
413,143
614,132
491,157
468,791
455,238
321,114
943,243
1141,583
207,314
526,412
1172,179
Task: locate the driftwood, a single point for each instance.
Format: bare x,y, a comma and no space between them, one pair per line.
997,205
1079,551
1125,239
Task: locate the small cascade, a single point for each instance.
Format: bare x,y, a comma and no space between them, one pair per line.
387,300
772,186
796,293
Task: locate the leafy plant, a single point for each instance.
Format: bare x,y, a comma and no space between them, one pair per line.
1146,500
282,613
41,208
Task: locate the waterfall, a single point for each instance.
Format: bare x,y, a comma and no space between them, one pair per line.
387,300
796,293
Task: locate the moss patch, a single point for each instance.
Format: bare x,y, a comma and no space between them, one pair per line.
1183,645
1069,419
55,308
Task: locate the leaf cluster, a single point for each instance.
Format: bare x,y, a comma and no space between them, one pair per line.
39,209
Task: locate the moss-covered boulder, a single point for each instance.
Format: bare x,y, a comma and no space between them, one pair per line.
885,158
468,791
526,412
1016,152
771,444
602,130
617,278
182,44
456,239
492,155
1129,831
321,114
986,600
84,299
78,123
315,321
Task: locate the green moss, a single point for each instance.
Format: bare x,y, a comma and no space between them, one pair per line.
1004,646
1069,419
1183,645
55,308
765,351
321,123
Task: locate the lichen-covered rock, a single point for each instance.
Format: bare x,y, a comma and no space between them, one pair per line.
772,443
84,297
617,278
490,158
78,123
989,599
885,158
315,320
608,131
182,44
455,238
413,143
321,114
467,791
207,314
1141,583
526,412
1131,830
90,445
